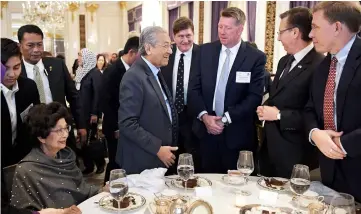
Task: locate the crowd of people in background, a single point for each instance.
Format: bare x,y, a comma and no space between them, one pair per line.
159,98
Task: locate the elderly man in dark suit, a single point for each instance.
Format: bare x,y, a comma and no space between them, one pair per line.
333,111
285,141
177,74
112,77
148,122
50,74
225,94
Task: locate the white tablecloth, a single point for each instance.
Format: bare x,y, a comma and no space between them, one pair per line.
222,200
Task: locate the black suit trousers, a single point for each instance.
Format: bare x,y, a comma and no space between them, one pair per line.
112,143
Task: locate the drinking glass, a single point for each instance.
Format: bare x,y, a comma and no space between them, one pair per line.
185,167
245,165
118,185
341,204
300,182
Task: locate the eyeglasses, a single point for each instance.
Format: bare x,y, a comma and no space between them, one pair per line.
166,46
282,31
61,131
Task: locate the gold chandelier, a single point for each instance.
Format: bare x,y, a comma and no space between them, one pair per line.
49,15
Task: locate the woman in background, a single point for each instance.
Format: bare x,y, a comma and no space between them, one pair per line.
101,63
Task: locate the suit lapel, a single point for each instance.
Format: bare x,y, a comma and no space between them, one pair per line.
236,64
353,61
23,69
153,81
281,66
213,69
297,70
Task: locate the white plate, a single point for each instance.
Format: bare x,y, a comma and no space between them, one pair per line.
201,182
234,180
261,182
106,202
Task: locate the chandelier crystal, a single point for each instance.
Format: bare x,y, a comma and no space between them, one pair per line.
48,15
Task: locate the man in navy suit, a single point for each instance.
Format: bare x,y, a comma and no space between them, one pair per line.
333,111
225,93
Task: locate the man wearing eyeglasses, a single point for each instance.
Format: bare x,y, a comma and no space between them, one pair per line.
177,74
148,122
286,142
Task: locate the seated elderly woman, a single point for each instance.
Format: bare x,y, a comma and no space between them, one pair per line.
48,176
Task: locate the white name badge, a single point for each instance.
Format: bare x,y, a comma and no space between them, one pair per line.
268,197
243,77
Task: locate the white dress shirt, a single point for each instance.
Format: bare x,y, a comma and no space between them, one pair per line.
125,64
187,58
341,57
299,56
10,100
44,76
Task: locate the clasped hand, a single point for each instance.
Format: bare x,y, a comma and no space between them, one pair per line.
267,113
213,124
328,142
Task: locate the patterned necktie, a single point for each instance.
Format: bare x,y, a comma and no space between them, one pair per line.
328,101
39,84
172,108
221,87
179,94
287,69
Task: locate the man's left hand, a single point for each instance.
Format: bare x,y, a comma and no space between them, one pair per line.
93,119
267,113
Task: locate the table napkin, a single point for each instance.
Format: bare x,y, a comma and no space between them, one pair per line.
150,179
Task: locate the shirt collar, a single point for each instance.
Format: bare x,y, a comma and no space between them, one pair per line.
154,69
302,53
31,66
13,90
125,64
233,49
341,56
187,53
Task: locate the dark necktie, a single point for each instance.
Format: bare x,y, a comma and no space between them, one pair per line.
179,94
172,108
328,103
288,67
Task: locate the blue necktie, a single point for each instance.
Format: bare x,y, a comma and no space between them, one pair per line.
221,87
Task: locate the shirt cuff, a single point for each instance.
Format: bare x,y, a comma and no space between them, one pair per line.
342,147
201,114
310,134
228,117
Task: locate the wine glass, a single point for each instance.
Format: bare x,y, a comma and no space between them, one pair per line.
245,165
342,203
300,182
185,167
118,185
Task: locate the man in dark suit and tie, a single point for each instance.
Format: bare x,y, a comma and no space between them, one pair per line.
18,95
50,74
177,73
225,93
333,116
285,140
112,78
148,122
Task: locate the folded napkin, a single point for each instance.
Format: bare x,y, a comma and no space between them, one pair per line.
150,179
321,189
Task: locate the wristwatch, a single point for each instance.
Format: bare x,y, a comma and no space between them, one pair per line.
279,116
225,120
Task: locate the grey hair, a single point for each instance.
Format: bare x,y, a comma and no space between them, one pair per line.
149,36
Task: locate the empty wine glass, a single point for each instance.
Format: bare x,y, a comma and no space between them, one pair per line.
185,167
118,185
341,204
300,182
245,165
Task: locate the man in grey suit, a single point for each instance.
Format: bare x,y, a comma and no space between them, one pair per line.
148,122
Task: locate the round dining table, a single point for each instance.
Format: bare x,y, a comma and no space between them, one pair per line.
222,199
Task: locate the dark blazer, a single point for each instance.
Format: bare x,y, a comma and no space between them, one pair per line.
60,83
112,77
348,105
167,71
241,99
144,123
28,94
89,97
286,139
